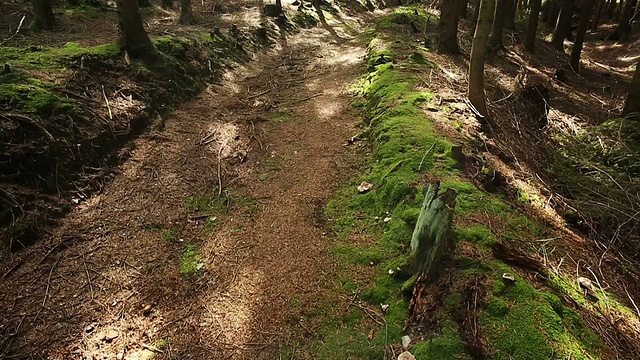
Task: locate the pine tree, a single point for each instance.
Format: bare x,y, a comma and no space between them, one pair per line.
478,54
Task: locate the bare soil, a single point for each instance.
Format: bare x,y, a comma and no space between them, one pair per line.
267,144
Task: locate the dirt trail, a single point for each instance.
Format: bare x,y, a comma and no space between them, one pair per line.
107,281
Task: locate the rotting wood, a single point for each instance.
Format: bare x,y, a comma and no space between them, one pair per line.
432,237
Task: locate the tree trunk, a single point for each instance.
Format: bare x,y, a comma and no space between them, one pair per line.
167,4
632,105
585,16
498,24
563,26
532,28
43,14
478,55
611,5
617,9
623,30
510,14
464,7
144,3
447,40
186,14
552,15
133,37
432,239
474,19
598,13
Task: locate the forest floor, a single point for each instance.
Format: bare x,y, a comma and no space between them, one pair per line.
170,251
224,233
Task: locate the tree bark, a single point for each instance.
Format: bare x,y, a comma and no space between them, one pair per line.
623,30
632,104
563,26
133,37
144,3
186,13
598,13
167,4
432,239
43,14
447,40
474,19
510,14
552,15
498,25
532,28
478,54
585,16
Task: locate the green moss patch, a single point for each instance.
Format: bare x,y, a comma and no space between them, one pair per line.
190,262
27,95
41,58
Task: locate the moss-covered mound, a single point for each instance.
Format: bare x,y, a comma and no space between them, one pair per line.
472,311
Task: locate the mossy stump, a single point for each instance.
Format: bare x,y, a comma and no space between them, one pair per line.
432,237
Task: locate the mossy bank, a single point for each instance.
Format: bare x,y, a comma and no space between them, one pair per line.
471,311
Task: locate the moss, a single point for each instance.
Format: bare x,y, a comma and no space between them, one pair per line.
169,234
521,322
210,205
41,58
477,234
80,11
418,58
281,116
171,45
33,96
402,16
190,262
448,346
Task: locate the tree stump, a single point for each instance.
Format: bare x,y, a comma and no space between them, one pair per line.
432,238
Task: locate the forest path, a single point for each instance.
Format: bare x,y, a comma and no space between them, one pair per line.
165,258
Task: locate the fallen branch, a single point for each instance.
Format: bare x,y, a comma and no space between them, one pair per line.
107,102
258,94
18,117
17,31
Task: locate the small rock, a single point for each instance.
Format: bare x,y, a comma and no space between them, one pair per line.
371,263
365,187
387,219
263,177
384,307
406,356
391,272
508,277
89,328
587,285
110,335
406,341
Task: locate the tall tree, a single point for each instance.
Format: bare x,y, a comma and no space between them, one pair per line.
632,105
510,14
43,14
447,40
475,91
186,13
585,16
623,30
563,26
498,24
532,28
133,38
599,10
553,10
